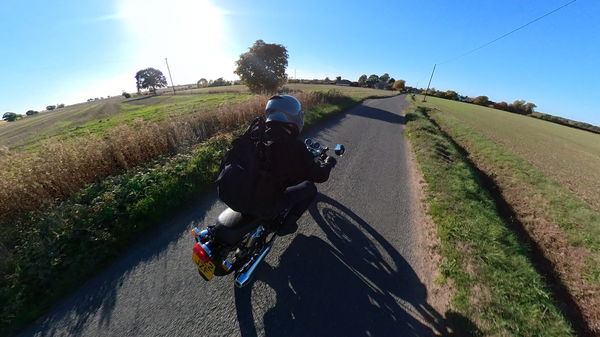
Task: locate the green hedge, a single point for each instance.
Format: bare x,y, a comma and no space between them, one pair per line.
57,250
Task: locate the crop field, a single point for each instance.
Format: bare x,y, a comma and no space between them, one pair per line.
98,117
354,92
71,147
569,155
548,174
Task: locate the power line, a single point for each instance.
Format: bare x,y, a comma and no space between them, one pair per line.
507,34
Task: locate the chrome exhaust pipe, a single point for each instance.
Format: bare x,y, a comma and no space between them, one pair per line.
244,277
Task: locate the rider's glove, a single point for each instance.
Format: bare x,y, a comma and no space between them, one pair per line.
330,161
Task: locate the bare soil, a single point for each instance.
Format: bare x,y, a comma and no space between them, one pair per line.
440,294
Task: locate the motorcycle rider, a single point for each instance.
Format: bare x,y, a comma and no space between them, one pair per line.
294,169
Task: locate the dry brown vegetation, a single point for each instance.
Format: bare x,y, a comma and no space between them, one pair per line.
31,181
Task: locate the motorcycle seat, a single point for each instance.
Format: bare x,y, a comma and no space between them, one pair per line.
231,226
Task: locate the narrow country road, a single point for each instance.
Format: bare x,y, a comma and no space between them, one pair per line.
350,270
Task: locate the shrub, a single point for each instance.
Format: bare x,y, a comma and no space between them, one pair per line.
126,94
481,100
51,107
9,116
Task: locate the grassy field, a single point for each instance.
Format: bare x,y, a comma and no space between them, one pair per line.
354,92
536,166
569,155
494,283
98,117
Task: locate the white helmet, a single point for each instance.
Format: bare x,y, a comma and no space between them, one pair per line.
285,109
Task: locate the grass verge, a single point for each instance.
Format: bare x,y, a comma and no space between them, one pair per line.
563,230
46,254
496,285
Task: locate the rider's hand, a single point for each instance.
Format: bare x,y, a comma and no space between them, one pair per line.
330,161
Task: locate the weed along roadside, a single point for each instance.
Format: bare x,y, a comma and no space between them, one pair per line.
495,283
48,252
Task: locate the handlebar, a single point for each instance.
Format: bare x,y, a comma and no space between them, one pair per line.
321,151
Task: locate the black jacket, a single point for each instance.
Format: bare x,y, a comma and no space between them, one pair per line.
290,162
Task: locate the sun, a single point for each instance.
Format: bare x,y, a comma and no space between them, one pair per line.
189,32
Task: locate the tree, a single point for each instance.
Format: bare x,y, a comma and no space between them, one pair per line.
338,78
362,80
9,116
391,81
501,106
262,67
219,82
385,77
202,83
126,94
517,106
529,108
480,100
31,112
372,80
399,85
150,78
51,107
451,94
59,106
326,80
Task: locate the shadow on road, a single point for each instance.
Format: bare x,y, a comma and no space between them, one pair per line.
378,114
357,284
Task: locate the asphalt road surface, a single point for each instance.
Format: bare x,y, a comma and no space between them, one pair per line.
349,270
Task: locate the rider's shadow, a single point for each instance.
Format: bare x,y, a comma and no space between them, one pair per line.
354,283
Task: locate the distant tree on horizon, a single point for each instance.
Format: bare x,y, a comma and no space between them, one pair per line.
399,85
451,94
480,100
150,78
338,78
219,82
10,116
262,67
372,80
362,80
385,77
202,83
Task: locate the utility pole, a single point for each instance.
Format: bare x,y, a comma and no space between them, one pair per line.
424,97
172,84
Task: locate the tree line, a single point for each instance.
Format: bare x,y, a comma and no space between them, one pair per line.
519,106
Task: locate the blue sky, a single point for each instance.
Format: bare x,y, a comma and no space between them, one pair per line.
68,51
